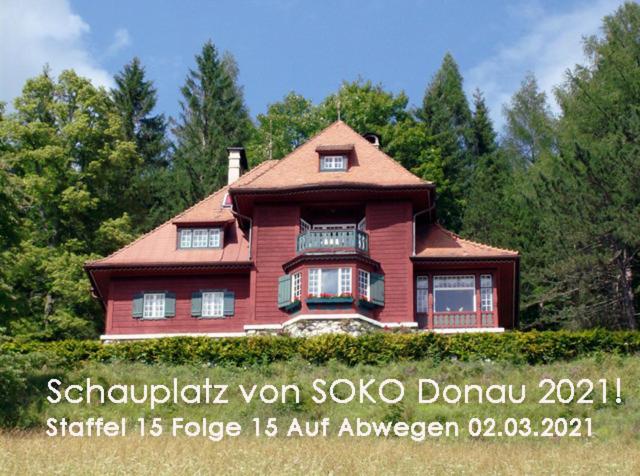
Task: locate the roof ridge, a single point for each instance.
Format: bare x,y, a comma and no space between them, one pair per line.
455,236
172,219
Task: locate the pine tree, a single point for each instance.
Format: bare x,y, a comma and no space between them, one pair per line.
446,116
213,117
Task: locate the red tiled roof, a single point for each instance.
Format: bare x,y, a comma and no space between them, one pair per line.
159,245
436,242
368,166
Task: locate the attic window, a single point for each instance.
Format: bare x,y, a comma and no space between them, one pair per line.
226,201
200,238
332,163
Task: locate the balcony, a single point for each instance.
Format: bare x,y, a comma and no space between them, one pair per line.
323,241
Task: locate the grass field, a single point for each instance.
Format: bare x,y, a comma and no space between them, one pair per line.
615,448
35,454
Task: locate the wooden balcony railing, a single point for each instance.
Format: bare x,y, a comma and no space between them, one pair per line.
320,240
455,320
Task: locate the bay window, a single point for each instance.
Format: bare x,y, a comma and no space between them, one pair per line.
329,281
364,284
454,293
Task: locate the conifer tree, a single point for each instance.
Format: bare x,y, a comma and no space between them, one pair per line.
530,129
213,117
135,98
446,117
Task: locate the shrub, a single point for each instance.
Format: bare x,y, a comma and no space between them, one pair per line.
373,349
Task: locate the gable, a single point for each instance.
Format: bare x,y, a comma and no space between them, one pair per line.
301,168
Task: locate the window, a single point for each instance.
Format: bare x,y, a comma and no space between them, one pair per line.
333,162
226,201
454,293
212,304
364,284
153,306
486,292
329,282
200,238
296,287
422,294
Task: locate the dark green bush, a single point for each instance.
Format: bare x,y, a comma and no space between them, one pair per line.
373,349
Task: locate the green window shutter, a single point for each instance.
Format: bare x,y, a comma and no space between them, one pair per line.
169,304
138,304
229,303
377,289
284,291
196,304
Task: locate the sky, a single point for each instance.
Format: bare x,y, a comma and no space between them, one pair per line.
305,46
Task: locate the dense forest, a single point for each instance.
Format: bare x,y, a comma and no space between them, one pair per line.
84,171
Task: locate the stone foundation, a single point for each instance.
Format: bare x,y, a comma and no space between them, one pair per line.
314,327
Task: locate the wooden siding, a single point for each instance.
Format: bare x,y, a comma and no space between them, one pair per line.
389,225
119,320
275,234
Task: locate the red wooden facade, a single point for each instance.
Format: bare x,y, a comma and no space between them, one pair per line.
353,237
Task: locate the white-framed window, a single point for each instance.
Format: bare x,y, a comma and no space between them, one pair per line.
200,238
296,287
422,294
153,306
226,201
329,281
486,292
333,162
212,304
364,284
185,238
454,293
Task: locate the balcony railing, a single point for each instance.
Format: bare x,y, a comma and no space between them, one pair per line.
321,240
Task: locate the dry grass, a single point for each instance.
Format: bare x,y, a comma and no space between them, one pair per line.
30,453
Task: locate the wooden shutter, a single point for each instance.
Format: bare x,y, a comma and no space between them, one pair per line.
229,303
284,290
169,304
138,305
377,289
196,304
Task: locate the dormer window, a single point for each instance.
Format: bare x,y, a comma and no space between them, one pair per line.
333,163
200,238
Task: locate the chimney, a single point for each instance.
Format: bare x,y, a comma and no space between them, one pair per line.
237,163
373,138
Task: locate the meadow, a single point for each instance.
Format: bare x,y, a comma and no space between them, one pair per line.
614,448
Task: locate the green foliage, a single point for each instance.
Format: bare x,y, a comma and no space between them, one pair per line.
447,119
213,117
371,349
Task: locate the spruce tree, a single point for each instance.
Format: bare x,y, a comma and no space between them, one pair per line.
213,117
135,98
446,117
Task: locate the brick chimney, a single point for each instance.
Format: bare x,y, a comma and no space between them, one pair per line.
237,163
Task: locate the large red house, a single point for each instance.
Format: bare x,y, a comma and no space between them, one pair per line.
335,237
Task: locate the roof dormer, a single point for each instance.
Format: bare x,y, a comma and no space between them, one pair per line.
334,158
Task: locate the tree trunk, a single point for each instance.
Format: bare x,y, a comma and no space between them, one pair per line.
628,318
